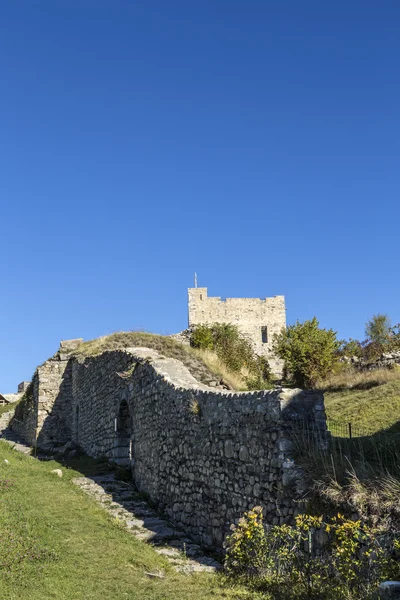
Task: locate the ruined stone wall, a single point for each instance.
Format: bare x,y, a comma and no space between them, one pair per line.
44,416
249,314
25,417
203,456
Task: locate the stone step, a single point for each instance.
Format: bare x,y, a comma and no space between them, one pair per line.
144,524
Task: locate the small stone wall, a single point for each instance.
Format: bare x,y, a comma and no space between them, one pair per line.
204,457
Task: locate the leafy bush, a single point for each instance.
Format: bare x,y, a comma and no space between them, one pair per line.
202,337
351,348
246,547
340,558
261,375
309,352
234,350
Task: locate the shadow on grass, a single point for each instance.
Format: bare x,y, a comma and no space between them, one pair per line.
113,488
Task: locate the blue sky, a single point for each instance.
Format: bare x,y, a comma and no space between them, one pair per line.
255,142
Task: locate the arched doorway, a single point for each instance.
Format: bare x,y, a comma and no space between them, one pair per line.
123,436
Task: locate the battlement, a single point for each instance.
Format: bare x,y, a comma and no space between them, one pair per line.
258,319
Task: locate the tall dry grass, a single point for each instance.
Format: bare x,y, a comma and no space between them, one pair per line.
351,378
359,475
236,381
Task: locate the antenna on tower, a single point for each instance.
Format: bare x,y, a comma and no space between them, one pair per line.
195,280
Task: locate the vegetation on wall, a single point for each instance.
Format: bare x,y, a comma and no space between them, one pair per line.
25,403
234,350
165,345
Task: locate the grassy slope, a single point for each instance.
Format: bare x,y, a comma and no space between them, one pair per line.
95,557
376,408
164,345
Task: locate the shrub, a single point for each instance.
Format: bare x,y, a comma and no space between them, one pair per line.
234,350
232,347
202,337
339,558
260,374
351,348
309,352
246,549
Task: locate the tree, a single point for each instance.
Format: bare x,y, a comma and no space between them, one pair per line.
378,329
351,348
308,351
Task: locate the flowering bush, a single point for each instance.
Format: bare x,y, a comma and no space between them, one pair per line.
339,558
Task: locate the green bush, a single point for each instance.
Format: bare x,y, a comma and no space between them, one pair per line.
234,350
351,348
338,558
231,347
309,352
202,337
261,376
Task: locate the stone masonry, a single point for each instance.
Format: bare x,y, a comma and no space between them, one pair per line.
203,456
256,318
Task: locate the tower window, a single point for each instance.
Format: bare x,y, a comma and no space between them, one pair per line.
264,334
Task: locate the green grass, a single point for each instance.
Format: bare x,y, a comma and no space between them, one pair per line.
57,543
374,409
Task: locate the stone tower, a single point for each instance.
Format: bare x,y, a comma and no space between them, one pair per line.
258,319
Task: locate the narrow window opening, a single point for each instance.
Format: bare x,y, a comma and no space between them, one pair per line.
264,334
201,296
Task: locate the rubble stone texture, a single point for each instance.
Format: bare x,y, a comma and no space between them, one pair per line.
250,315
203,456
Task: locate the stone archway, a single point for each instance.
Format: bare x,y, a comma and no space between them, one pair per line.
123,436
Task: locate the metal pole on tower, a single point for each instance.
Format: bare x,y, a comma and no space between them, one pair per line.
195,280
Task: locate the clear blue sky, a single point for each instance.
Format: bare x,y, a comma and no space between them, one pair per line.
255,142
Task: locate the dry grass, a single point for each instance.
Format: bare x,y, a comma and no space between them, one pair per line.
361,475
349,378
236,381
203,365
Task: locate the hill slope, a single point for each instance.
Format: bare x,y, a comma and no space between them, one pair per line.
57,543
374,409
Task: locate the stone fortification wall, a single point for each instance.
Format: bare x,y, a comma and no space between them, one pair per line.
203,456
249,314
44,416
25,417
